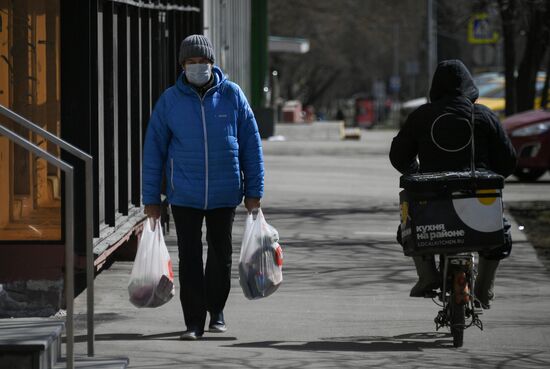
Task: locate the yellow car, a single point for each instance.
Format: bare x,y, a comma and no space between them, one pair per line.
493,95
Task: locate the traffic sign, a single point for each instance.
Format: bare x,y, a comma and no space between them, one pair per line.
480,30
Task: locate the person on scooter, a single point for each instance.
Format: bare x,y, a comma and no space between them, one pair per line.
452,95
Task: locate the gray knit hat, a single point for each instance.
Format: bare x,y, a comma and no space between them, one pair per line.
194,46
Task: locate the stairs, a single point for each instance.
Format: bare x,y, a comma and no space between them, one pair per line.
31,343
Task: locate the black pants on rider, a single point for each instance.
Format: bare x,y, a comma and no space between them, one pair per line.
429,278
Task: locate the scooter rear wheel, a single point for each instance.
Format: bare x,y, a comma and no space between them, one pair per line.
458,320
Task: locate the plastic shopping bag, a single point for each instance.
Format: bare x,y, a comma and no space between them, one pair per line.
152,279
261,258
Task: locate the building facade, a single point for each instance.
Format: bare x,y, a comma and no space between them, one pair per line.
90,72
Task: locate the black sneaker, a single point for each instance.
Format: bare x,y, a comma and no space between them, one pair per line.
480,305
217,323
191,335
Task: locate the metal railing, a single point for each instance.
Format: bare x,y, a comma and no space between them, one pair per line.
69,221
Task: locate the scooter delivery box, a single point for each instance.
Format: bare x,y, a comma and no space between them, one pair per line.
451,212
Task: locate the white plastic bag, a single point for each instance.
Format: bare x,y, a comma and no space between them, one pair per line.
261,258
152,279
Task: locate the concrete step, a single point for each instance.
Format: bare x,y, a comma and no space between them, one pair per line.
30,342
93,363
34,343
317,131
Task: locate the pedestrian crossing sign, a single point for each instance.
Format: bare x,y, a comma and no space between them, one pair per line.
480,30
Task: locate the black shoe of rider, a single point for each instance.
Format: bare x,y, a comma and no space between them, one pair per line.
421,289
480,305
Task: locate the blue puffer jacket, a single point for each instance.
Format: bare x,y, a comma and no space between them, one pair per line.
209,147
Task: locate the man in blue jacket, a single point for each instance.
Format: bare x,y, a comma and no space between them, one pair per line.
203,135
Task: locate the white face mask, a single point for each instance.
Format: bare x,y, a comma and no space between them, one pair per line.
198,74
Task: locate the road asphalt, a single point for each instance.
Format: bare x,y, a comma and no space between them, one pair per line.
344,302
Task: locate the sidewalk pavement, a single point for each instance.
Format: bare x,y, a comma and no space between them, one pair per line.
344,300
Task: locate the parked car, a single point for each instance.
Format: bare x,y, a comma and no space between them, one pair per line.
493,94
530,134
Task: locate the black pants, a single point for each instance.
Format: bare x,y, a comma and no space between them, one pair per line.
203,289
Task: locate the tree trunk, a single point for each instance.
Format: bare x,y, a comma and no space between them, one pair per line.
532,57
507,12
546,87
317,93
544,97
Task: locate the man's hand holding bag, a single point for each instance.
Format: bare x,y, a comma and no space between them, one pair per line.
152,278
261,258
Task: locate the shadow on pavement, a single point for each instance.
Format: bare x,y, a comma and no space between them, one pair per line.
408,342
144,337
327,213
341,247
365,258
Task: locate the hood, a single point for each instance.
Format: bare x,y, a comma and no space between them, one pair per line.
181,83
451,79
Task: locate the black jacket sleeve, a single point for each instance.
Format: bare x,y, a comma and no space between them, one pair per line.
404,148
502,156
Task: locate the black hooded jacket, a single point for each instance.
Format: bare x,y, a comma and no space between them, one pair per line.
439,132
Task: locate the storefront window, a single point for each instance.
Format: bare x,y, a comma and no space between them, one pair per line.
30,188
